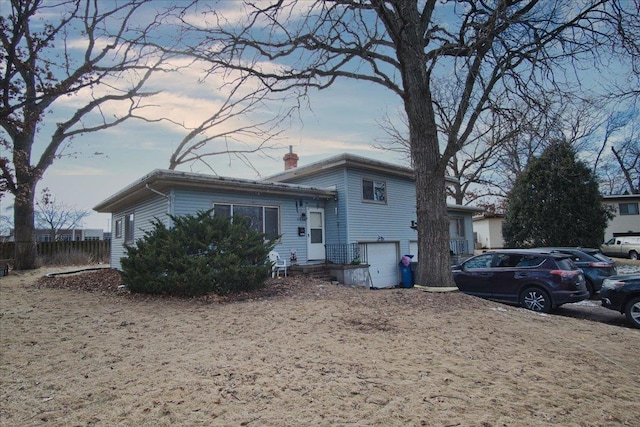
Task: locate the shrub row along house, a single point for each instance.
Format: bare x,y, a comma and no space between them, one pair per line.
345,209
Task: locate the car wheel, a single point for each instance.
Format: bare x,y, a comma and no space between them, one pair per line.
591,288
535,299
632,312
633,255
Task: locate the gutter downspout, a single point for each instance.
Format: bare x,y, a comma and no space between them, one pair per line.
148,187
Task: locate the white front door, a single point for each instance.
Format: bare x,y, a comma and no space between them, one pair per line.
315,234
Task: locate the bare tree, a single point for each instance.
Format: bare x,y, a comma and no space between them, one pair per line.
52,51
56,216
628,157
228,129
502,50
475,166
103,55
618,159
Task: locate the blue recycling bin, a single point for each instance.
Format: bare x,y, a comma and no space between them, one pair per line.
406,272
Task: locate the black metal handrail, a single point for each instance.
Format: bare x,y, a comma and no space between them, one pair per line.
350,253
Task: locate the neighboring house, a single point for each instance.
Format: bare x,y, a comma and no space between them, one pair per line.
336,210
627,215
487,228
73,235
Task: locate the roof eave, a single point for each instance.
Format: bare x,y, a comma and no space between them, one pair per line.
161,180
351,160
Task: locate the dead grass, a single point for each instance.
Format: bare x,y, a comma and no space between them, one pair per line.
302,352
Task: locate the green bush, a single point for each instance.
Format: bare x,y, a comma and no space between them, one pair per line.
200,254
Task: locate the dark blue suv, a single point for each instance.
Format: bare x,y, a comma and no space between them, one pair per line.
622,293
538,281
593,263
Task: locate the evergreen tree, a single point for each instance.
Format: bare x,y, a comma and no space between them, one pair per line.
200,254
555,202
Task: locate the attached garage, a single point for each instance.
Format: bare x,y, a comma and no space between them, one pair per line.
383,258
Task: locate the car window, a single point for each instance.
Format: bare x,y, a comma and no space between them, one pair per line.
566,264
530,261
481,261
577,256
507,260
601,257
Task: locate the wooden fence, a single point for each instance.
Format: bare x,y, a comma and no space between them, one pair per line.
97,250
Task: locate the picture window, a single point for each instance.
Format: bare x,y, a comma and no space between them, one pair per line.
263,219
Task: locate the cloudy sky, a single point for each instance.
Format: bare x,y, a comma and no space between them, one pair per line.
343,118
94,166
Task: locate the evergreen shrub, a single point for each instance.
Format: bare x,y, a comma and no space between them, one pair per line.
555,202
200,254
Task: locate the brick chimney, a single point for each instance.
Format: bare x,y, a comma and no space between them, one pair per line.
290,159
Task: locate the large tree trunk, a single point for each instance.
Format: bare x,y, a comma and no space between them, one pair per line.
26,251
434,267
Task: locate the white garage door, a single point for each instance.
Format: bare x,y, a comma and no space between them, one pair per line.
383,264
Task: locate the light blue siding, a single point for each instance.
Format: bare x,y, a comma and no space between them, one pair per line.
371,221
185,202
335,210
144,213
360,221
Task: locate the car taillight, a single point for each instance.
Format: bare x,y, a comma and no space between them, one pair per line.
565,273
600,265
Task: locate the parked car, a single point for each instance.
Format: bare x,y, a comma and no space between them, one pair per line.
593,263
622,246
538,281
622,293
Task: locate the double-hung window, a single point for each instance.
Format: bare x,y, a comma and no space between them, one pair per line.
129,228
263,219
456,227
374,191
118,231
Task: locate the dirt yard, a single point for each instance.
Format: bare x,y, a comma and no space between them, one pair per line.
76,351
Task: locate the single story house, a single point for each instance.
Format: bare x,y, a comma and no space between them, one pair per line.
342,209
627,215
487,228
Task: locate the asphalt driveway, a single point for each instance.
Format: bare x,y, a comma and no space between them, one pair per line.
592,310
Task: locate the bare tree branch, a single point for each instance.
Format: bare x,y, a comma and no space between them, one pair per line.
44,64
57,216
495,55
